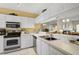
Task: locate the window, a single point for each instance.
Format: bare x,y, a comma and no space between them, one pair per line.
77,28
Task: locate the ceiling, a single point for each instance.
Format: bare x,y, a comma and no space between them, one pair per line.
38,7
28,7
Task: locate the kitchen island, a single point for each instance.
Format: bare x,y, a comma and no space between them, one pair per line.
55,47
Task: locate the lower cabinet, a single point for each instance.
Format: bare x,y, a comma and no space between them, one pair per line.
1,44
53,51
38,46
26,41
45,49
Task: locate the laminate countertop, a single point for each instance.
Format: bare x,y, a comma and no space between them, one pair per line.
63,46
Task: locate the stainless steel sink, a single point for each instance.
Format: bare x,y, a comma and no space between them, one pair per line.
48,38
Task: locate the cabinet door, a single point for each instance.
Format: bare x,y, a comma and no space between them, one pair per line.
45,48
27,22
1,44
2,24
38,46
53,51
2,21
29,41
26,41
23,41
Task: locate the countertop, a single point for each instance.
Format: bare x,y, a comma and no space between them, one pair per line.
62,45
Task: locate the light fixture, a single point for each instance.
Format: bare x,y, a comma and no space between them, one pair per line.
44,24
63,20
67,20
44,10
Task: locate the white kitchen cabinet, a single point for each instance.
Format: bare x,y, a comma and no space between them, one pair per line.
38,46
2,21
2,24
26,41
26,22
48,50
1,44
42,47
45,48
66,37
30,40
61,36
53,51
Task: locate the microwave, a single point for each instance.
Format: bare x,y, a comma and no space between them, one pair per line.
12,25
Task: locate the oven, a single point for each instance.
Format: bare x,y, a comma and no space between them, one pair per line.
11,43
12,40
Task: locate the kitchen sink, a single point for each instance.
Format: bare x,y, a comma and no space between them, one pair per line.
50,38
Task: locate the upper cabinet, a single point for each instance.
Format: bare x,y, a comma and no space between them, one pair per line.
25,22
55,10
2,22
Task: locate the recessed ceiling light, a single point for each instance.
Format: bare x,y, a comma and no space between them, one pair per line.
67,20
63,20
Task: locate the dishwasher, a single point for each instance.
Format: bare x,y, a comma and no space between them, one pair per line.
34,42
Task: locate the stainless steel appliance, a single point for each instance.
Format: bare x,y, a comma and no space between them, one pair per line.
11,43
34,43
13,33
12,40
12,37
12,24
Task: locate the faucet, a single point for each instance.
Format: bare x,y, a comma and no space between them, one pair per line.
50,36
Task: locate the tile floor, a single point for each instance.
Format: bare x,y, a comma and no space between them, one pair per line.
29,51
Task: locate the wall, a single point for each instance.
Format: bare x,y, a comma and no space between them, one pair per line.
36,28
